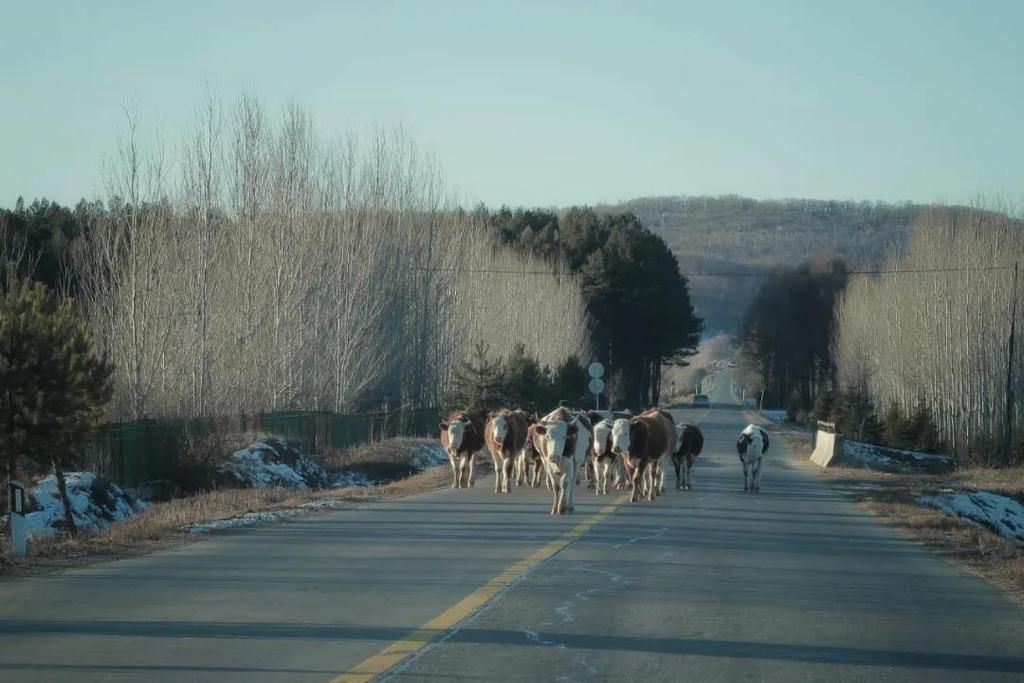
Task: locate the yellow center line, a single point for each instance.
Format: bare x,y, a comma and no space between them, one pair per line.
401,650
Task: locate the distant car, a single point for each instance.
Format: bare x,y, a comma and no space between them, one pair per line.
701,401
732,364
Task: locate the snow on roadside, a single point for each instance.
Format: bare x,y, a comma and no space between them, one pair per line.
894,459
95,504
777,416
998,513
350,479
426,456
422,457
250,518
274,464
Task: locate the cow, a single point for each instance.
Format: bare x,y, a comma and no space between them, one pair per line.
641,442
563,440
602,459
751,447
689,445
529,467
505,435
462,436
660,464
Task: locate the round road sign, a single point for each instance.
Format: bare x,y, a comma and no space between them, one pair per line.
596,371
596,385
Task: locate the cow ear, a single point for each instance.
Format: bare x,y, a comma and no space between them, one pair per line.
443,426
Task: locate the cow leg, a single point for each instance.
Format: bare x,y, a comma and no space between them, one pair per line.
746,476
687,473
455,472
507,474
570,495
651,492
472,467
757,475
634,476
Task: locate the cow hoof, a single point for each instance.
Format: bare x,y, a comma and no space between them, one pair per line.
687,488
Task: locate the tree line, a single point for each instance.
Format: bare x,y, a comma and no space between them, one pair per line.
637,299
918,356
264,267
938,340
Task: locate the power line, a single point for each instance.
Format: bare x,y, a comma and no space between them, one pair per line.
737,274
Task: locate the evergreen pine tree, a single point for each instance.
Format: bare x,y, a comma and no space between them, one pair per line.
54,386
479,382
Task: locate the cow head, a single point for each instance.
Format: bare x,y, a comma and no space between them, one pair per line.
680,433
551,438
499,427
602,437
621,432
751,439
456,431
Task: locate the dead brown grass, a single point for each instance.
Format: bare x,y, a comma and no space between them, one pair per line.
895,498
160,526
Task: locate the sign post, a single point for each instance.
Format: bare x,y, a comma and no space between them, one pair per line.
18,523
596,385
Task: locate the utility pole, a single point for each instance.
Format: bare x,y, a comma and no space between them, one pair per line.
1010,403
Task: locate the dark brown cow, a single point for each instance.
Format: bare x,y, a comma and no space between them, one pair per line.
689,445
648,438
505,435
462,437
661,464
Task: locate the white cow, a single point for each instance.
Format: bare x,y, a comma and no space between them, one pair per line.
751,446
603,457
563,441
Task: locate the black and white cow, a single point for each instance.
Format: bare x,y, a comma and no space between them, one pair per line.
689,444
751,446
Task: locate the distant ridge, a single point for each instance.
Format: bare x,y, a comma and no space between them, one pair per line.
739,234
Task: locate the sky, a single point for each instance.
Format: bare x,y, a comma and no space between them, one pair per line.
548,103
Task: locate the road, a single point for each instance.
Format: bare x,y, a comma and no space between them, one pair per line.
792,584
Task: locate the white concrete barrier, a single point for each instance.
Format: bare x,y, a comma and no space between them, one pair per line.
827,445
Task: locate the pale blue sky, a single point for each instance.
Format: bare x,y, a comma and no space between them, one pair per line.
550,103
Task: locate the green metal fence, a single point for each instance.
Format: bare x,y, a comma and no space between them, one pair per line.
145,451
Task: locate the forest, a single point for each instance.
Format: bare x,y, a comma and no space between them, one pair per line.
749,238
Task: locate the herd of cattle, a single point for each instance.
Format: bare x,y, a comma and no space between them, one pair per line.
599,447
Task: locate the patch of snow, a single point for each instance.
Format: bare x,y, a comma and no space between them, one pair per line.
350,479
894,459
777,416
273,464
251,518
95,504
424,457
1001,514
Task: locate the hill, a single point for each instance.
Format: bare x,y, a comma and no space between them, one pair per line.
745,237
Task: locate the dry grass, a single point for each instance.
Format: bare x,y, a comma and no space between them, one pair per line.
895,497
160,526
390,452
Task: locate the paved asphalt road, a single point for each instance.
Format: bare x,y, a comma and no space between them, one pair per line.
793,584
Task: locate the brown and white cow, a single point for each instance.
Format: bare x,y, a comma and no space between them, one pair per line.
462,436
505,435
563,440
529,467
642,442
689,445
